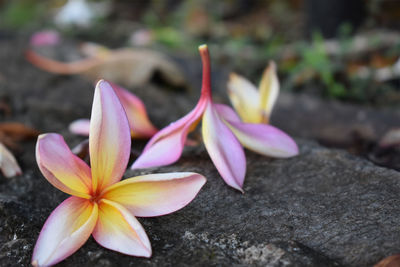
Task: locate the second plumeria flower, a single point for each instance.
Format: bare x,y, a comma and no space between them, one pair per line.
101,204
223,135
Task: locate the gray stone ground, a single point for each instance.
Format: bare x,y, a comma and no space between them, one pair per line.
325,207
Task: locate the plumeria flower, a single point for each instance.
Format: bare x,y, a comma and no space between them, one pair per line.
252,105
223,135
101,204
139,122
8,164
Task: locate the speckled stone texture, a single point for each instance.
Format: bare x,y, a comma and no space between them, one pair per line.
322,208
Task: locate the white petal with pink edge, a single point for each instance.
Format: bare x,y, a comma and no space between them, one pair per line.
61,167
109,139
156,194
140,124
261,138
65,231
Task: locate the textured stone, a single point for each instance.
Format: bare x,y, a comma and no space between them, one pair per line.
322,208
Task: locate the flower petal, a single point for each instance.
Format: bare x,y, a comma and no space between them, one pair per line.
139,122
261,138
109,139
81,127
61,168
65,231
269,91
117,229
8,164
45,38
166,146
156,194
224,149
244,98
141,127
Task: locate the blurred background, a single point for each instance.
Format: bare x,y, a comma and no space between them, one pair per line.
340,49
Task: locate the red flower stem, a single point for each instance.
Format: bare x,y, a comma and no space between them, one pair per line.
206,84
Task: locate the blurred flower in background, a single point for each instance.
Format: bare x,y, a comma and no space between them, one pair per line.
80,13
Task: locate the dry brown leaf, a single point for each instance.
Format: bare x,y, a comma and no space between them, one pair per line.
13,132
18,131
5,108
128,67
392,261
10,134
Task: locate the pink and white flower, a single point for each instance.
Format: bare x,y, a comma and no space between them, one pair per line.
101,205
223,133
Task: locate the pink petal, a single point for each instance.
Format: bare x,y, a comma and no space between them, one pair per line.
140,124
156,194
61,168
261,138
65,231
8,164
117,229
43,38
109,139
166,146
224,149
81,127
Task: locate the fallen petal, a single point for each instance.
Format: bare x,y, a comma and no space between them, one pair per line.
224,149
269,91
140,124
61,167
81,127
65,231
109,139
244,98
156,194
117,229
8,164
261,138
166,146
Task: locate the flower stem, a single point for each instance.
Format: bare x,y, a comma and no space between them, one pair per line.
206,84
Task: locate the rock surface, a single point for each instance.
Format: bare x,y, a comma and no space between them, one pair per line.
322,208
